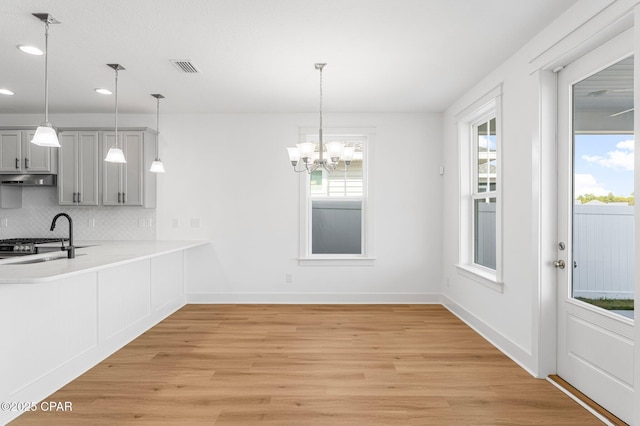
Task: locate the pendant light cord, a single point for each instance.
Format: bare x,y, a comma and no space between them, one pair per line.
46,71
158,129
320,148
116,108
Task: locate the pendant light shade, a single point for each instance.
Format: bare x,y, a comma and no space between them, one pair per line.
115,154
157,166
45,133
46,136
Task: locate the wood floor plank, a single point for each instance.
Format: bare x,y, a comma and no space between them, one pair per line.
311,365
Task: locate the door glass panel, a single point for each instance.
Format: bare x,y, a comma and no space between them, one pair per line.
603,189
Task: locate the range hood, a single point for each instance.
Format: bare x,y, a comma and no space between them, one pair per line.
28,180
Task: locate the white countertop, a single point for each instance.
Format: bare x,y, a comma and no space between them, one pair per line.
94,256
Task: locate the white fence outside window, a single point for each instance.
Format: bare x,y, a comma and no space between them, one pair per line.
602,249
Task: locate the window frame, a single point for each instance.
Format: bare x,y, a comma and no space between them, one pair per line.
485,108
305,257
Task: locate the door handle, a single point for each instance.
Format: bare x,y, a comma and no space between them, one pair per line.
79,198
17,163
559,264
74,197
119,197
26,163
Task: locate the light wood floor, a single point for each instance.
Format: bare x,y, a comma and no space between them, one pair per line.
311,365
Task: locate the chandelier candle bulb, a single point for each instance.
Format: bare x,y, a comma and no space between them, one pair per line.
294,155
347,154
306,150
334,149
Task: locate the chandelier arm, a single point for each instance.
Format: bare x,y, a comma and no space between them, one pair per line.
295,168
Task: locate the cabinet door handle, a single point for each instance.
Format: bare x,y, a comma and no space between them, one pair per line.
79,198
26,163
74,197
119,197
17,163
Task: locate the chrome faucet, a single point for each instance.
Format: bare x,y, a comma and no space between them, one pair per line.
71,250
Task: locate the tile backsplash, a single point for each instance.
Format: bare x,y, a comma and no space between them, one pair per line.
40,205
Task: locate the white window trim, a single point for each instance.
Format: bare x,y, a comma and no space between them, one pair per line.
489,104
367,258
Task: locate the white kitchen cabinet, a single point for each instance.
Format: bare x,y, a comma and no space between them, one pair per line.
129,184
78,168
19,155
56,327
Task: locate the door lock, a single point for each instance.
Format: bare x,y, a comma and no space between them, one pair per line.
559,264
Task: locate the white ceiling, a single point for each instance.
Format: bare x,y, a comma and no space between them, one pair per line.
258,55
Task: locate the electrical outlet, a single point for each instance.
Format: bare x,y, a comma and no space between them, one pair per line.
288,278
195,222
148,222
4,222
175,222
92,222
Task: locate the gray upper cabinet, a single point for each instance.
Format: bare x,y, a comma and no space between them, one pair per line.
78,168
19,155
129,184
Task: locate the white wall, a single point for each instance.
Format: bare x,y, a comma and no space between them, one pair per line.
521,319
231,172
509,314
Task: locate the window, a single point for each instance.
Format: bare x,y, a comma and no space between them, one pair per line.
484,193
480,190
335,220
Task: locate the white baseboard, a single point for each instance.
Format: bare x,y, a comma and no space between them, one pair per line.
514,351
316,298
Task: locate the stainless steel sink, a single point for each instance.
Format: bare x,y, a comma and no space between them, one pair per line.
41,259
56,249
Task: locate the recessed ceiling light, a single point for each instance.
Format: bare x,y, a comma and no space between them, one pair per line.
103,91
31,50
6,92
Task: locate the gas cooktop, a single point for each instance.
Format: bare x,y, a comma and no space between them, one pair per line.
15,241
24,246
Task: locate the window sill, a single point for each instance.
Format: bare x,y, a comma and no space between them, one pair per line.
336,261
486,278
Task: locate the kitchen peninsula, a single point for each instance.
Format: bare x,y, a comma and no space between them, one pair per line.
59,318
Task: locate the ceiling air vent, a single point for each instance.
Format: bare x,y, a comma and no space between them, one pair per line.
185,65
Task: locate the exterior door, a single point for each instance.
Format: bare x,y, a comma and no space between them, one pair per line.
595,225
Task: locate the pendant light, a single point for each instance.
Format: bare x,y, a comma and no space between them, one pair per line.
157,166
115,154
45,133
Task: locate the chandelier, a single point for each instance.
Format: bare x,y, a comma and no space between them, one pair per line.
327,155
